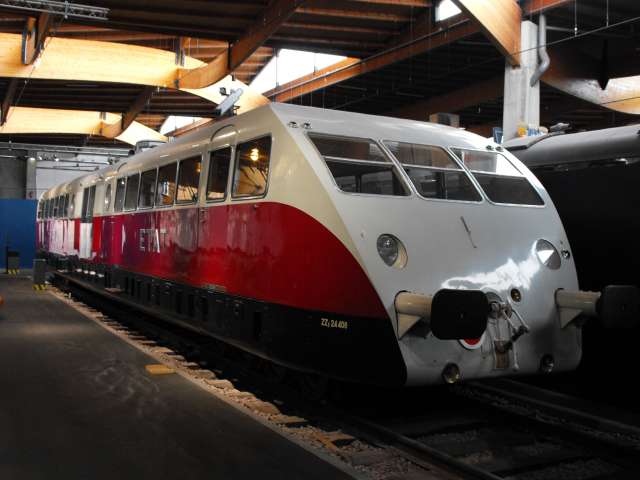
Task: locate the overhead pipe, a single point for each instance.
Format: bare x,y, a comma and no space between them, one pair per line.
545,61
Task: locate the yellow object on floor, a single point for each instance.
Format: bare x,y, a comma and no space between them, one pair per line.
158,369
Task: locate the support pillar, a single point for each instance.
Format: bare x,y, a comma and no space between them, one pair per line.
31,192
521,101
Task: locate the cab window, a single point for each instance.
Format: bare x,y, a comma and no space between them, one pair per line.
218,174
433,172
501,181
252,168
358,165
188,180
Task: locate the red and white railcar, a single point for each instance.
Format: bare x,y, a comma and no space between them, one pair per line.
360,247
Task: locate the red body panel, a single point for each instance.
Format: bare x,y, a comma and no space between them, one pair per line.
76,234
264,251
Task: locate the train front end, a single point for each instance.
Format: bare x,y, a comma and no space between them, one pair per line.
463,246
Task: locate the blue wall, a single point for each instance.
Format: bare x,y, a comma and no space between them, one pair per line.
18,230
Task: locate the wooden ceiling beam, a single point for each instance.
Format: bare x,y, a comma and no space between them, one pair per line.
540,6
355,14
577,74
454,101
352,67
346,29
90,61
276,14
399,3
27,120
34,37
500,21
421,37
7,101
116,129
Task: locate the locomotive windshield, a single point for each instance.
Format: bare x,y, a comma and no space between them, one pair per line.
358,165
433,172
501,181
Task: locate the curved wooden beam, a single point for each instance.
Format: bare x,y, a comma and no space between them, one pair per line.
48,120
500,21
90,60
577,75
275,14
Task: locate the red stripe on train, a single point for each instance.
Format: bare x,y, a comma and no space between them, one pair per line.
266,251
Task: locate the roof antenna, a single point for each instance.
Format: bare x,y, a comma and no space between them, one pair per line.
228,105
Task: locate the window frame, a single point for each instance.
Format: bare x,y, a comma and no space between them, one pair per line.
155,186
235,161
124,194
108,195
394,165
65,212
175,196
86,216
126,189
229,181
479,186
451,156
175,178
72,205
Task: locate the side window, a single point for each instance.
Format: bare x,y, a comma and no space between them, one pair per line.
147,189
72,205
88,198
433,172
55,207
131,197
107,198
252,168
119,201
166,186
47,208
218,174
50,208
66,206
359,165
188,180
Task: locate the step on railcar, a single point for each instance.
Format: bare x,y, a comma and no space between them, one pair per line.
360,247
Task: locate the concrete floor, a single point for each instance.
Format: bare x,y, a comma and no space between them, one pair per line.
77,403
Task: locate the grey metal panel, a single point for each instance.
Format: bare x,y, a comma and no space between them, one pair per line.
13,172
553,149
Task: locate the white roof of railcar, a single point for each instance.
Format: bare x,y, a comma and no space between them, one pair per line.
321,120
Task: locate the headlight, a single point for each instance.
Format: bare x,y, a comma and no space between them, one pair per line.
547,254
392,251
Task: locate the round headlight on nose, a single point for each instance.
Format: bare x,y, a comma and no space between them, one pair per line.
547,254
391,251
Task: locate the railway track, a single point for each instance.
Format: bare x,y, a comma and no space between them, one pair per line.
485,430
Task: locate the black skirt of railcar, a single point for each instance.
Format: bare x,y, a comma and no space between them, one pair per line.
599,206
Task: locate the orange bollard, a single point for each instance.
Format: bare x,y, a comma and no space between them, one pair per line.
1,300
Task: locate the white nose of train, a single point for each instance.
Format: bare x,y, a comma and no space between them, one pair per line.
469,263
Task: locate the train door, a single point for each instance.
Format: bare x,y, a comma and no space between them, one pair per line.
218,159
86,222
